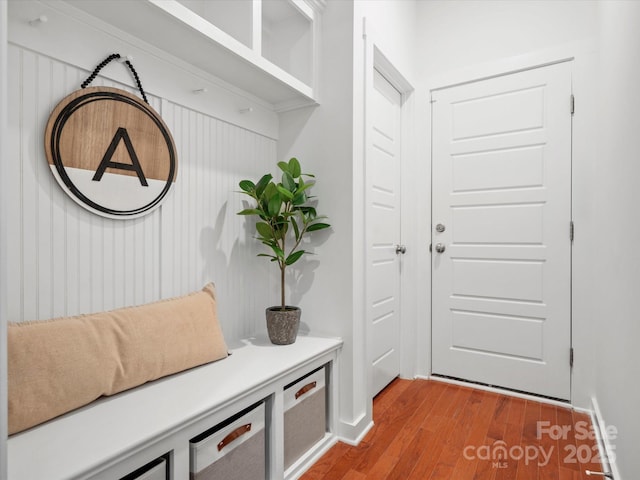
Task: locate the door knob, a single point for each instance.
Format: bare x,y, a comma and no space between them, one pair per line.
440,247
401,249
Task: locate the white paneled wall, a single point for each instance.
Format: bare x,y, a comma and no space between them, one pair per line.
202,237
64,260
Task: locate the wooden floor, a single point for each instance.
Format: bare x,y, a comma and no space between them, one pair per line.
425,429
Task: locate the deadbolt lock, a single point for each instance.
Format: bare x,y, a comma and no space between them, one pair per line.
440,228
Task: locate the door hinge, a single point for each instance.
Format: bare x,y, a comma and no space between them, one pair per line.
571,357
571,230
573,104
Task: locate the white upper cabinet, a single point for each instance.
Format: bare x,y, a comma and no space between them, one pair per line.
287,37
265,47
231,16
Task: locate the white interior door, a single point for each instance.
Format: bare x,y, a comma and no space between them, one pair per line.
383,218
502,265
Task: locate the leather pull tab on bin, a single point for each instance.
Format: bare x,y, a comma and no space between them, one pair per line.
305,389
233,435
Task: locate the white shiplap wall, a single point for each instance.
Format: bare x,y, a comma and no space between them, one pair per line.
202,237
63,260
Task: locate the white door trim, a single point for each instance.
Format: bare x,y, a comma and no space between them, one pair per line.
561,54
375,59
585,131
506,66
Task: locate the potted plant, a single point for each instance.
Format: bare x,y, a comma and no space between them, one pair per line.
285,217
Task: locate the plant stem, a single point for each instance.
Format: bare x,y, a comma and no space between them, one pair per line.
302,232
283,266
282,287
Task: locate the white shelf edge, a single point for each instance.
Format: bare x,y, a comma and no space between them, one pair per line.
196,22
215,34
68,9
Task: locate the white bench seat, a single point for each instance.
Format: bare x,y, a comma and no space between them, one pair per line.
115,435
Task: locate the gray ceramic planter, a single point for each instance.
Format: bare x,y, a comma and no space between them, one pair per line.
282,325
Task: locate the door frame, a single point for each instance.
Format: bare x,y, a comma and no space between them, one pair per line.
375,59
500,68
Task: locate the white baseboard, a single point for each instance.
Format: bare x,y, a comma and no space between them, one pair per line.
501,391
605,447
353,433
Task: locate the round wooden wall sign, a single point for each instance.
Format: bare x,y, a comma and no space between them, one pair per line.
111,152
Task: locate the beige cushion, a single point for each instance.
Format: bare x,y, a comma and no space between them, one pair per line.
58,365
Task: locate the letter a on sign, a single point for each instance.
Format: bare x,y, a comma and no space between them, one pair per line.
111,152
106,162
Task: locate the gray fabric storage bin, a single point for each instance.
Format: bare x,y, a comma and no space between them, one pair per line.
233,450
305,415
156,470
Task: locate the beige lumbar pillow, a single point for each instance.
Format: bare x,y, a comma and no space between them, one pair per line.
58,365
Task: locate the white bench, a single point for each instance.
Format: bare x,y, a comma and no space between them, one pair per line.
116,435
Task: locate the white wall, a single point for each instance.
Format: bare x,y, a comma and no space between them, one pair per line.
384,36
63,260
330,140
3,236
196,237
394,25
461,33
461,39
322,139
616,256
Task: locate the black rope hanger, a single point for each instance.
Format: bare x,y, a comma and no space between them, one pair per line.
104,63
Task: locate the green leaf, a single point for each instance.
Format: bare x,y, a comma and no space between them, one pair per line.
264,229
247,185
281,229
278,251
299,199
284,166
302,186
269,191
309,213
250,211
275,203
294,168
285,192
262,184
288,182
294,257
296,229
317,226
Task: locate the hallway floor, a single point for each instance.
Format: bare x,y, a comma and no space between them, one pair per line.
426,429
